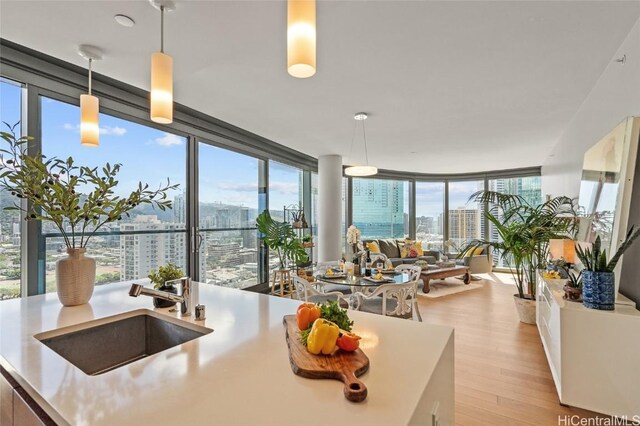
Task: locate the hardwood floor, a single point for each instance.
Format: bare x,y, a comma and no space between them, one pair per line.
502,374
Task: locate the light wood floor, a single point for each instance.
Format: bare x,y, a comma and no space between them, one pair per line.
501,373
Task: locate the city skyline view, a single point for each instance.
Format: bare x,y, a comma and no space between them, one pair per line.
230,197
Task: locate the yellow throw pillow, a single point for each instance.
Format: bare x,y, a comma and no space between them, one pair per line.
473,252
373,247
411,250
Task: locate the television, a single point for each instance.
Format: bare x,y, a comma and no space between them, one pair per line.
606,196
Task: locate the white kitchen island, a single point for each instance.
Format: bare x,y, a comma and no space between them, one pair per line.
238,374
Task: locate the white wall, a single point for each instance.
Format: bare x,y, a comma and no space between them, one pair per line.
615,96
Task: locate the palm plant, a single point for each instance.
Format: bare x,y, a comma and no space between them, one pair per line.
524,231
281,237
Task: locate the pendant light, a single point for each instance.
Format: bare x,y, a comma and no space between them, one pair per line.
301,38
161,108
89,104
365,170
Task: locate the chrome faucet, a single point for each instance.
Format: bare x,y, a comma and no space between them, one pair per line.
184,298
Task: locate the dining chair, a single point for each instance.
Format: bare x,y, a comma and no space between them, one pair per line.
414,271
306,292
377,257
395,300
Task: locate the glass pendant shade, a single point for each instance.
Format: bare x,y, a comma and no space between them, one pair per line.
89,128
361,171
161,88
301,38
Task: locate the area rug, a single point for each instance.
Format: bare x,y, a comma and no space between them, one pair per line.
445,288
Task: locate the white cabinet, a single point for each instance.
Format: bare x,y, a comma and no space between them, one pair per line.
593,354
23,413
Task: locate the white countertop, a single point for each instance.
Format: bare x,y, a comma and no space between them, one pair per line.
239,374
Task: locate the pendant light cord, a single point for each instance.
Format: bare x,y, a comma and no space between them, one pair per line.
90,60
162,29
353,138
366,151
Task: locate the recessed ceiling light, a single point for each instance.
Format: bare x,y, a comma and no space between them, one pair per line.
124,20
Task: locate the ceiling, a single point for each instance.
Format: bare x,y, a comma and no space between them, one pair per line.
450,87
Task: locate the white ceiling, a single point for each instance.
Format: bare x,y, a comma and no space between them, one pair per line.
450,86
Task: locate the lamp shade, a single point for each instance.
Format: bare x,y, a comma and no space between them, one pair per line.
161,88
361,171
301,38
565,249
89,127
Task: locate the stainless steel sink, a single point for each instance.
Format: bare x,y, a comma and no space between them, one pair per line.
102,345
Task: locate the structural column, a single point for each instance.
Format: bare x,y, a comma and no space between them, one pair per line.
329,207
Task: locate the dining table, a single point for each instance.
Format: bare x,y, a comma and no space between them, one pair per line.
360,284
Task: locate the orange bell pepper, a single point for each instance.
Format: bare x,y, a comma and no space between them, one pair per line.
306,315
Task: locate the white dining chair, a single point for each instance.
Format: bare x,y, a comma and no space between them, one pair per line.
307,293
396,300
414,271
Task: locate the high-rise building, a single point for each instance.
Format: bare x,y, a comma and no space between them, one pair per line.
378,208
464,225
141,253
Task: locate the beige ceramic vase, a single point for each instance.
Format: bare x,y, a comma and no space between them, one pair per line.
75,277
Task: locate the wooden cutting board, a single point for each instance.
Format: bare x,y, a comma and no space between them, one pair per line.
343,366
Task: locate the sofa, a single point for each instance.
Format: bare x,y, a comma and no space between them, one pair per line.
391,248
478,263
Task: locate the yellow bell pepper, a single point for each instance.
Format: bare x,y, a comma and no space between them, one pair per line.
323,337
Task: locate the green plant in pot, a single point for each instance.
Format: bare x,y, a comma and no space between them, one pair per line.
524,231
281,237
573,287
162,280
598,279
78,200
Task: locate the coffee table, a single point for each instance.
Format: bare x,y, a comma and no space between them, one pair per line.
442,273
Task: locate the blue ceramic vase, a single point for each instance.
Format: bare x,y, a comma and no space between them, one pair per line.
598,290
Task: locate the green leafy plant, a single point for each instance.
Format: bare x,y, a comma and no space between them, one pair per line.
594,258
78,200
281,237
307,239
165,273
524,231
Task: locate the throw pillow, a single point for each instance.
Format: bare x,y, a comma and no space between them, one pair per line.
410,251
478,251
373,247
417,245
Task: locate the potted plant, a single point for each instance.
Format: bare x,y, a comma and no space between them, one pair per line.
598,279
78,200
353,237
281,237
163,280
307,241
559,269
524,231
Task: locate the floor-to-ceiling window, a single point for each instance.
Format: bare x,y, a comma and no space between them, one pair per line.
230,198
285,193
529,188
466,218
146,239
10,223
430,214
285,188
381,207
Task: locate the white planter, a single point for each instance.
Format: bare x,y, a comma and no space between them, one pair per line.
526,309
75,277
